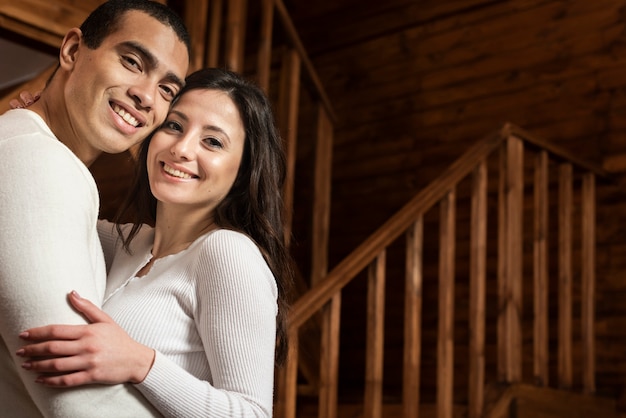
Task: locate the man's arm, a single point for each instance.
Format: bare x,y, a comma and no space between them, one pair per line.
48,247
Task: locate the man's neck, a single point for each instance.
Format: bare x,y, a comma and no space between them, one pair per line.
57,119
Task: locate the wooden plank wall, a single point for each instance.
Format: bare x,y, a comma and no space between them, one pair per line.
414,84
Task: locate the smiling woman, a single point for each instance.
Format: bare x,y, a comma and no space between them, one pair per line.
214,268
194,158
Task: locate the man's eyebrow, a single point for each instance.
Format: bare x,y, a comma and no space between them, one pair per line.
152,61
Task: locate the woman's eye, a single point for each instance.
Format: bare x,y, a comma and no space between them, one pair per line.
213,143
172,125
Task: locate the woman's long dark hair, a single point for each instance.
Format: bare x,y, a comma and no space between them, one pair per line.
254,204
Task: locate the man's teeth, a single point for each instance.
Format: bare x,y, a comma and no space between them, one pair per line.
176,173
125,115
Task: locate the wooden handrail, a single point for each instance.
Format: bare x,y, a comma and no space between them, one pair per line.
315,298
360,257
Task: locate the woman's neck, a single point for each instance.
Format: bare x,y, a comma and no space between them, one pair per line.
175,232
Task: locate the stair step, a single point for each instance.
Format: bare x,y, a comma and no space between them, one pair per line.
519,401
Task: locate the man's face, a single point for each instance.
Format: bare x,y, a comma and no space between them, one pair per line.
119,92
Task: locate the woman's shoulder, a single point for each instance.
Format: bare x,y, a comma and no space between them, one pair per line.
233,254
231,246
228,238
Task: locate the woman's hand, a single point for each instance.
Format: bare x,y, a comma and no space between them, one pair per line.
72,355
26,99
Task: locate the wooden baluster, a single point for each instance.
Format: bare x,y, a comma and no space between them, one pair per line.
412,319
196,12
329,362
235,34
565,276
588,281
321,197
510,261
478,277
320,234
540,270
214,31
445,339
287,381
375,338
264,60
288,107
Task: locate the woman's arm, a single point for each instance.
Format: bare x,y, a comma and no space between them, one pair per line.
100,352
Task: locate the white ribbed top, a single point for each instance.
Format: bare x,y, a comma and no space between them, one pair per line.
209,312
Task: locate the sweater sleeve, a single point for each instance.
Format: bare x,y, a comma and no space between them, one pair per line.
236,319
49,246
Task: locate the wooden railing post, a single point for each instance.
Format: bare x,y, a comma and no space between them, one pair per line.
373,405
213,35
196,12
445,339
588,296
565,276
235,34
287,381
540,270
412,319
288,106
329,361
264,59
510,261
321,196
478,278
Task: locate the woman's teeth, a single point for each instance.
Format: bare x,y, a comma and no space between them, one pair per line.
176,173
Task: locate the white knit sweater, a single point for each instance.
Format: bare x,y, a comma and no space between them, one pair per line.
209,312
48,246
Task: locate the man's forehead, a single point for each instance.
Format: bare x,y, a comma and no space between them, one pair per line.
146,34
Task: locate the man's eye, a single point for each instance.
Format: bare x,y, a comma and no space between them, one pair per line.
168,92
131,62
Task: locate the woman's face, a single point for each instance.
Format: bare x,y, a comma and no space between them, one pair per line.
194,158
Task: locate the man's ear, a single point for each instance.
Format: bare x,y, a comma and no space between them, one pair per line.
69,48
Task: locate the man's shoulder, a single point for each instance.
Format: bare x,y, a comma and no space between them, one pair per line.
21,122
25,137
31,148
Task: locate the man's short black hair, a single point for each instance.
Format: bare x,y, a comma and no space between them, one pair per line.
105,20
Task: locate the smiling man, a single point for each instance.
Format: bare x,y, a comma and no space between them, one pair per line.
116,78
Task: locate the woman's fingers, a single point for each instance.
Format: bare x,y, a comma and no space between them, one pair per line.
57,365
69,332
27,97
54,348
91,311
64,380
54,332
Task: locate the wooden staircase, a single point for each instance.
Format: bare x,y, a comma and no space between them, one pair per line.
465,242
530,177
